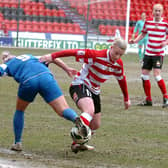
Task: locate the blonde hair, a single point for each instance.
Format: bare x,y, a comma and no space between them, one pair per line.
121,43
158,5
6,56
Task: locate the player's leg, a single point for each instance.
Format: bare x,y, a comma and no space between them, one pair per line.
18,123
94,125
89,104
61,107
52,94
158,62
147,88
26,94
146,68
82,96
96,122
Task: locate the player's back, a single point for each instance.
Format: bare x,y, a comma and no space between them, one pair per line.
24,67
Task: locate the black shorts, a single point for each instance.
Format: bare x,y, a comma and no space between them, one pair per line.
150,62
79,91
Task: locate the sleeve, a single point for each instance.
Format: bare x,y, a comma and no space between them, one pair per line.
124,88
123,83
64,53
81,55
3,68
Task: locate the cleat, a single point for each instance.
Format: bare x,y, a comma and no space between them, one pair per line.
145,103
165,102
82,127
17,147
75,147
81,147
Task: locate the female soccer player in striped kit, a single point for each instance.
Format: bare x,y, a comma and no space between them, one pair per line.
98,66
156,28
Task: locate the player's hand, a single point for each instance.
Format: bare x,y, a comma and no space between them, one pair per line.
46,58
131,41
164,43
127,104
71,72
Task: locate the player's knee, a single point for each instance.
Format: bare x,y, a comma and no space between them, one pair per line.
144,77
158,78
95,125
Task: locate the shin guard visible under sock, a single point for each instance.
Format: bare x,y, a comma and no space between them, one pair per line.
162,87
86,118
147,89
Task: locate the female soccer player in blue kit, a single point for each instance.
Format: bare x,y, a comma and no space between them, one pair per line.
34,77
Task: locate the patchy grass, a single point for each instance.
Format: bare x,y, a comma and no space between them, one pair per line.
134,138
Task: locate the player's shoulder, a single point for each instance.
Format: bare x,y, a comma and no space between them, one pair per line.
149,19
100,53
120,62
164,20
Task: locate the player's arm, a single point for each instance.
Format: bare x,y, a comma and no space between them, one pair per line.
164,43
136,40
81,55
58,54
3,68
70,71
123,85
140,37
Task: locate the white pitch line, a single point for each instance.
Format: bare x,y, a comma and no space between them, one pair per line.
7,166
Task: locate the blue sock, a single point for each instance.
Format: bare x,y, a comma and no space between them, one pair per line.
70,114
18,125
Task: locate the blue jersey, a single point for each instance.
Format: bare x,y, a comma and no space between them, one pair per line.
34,77
23,68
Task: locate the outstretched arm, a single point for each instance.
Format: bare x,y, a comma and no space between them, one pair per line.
47,60
70,71
136,40
3,68
63,53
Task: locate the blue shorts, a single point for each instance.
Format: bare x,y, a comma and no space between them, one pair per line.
44,84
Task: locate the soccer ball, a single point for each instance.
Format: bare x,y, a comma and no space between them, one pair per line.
79,139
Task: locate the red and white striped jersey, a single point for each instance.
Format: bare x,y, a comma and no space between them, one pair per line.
97,68
156,35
